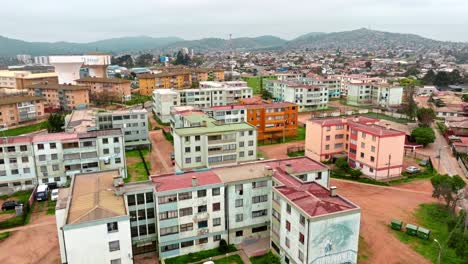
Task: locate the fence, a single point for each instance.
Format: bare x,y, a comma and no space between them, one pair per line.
463,166
358,112
295,149
32,196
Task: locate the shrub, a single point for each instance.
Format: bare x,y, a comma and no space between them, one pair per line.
342,163
355,174
223,246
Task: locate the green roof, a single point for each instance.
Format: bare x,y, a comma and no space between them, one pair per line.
212,126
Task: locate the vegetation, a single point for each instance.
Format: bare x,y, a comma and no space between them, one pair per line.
342,164
426,116
256,82
168,136
465,98
181,59
437,219
441,126
51,207
56,123
136,171
156,118
301,132
234,259
389,118
138,99
423,135
443,78
4,235
341,174
197,256
448,189
144,60
24,130
268,258
409,177
20,219
299,153
223,246
265,94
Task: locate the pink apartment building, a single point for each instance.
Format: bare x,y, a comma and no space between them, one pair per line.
374,149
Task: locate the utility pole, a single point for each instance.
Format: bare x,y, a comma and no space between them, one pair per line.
438,165
440,251
388,171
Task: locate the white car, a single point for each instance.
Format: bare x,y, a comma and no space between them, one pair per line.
54,194
412,169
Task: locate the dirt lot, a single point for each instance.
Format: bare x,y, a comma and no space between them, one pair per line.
36,242
278,151
160,155
379,205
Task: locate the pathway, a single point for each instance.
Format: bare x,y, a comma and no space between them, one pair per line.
29,226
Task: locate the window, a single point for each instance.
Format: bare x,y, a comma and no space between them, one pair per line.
202,208
116,140
186,244
288,208
302,220
169,230
141,214
319,175
362,154
372,159
143,230
300,255
185,196
374,138
217,221
327,147
288,226
259,229
187,149
169,247
259,213
201,193
301,238
188,160
215,191
116,261
327,138
239,202
239,217
373,148
41,158
363,145
149,197
24,148
56,179
117,161
239,233
167,199
26,170
150,213
39,146
197,148
54,157
259,184
114,245
202,241
112,227
131,200
203,224
216,238
241,144
239,189
251,143
363,135
185,211
250,132
197,138
106,151
168,215
216,207
105,140
251,152
287,243
187,139
151,228
260,199
186,227
339,136
55,167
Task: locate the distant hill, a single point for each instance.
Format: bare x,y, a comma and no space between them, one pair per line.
364,39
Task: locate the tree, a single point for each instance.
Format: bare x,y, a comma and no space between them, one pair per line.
449,189
144,60
223,246
465,98
442,79
265,94
342,163
118,75
355,173
423,135
368,64
125,61
426,116
56,123
429,77
412,71
410,108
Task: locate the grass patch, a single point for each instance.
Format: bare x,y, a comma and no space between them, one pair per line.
234,259
51,207
138,99
197,256
136,171
301,134
4,235
255,83
435,218
156,118
168,137
441,126
24,130
21,196
363,252
299,153
340,174
389,118
426,174
268,258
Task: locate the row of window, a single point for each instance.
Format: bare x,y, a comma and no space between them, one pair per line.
165,231
189,243
187,195
187,211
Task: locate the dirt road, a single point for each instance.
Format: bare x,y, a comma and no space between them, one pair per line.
379,206
160,155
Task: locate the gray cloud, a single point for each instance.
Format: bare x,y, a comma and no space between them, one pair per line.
88,20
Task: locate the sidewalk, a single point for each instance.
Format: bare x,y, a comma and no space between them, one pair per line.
29,226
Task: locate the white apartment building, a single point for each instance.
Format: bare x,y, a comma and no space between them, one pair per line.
307,97
209,94
204,142
93,223
53,158
379,94
333,85
228,113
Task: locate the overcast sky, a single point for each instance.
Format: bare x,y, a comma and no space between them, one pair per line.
89,20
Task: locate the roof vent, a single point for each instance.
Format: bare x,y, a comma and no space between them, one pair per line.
333,191
194,181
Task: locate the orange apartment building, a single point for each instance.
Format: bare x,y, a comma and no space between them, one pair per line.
61,96
36,78
15,110
272,120
374,149
177,78
118,87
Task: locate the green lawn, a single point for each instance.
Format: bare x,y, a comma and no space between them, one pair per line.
254,82
426,174
24,130
340,174
138,99
51,207
136,171
268,258
301,133
299,153
168,136
4,235
234,259
389,118
197,256
433,217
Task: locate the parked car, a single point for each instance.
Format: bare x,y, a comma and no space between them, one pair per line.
54,194
424,162
412,169
9,205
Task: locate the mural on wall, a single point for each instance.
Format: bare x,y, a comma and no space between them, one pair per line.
337,241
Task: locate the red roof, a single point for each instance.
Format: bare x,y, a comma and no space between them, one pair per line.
15,140
342,121
170,182
376,130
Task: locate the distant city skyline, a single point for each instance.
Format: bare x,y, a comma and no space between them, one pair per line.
87,21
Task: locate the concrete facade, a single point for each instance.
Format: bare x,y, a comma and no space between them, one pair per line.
19,109
381,94
61,96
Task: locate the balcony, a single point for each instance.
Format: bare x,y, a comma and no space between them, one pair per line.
201,216
203,231
215,152
221,141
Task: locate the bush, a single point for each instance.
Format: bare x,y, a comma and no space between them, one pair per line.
342,163
423,135
355,174
223,246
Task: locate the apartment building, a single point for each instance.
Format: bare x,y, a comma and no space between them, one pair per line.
61,96
21,79
272,120
134,124
207,95
54,158
15,110
333,84
177,78
307,97
287,201
119,88
204,142
91,208
8,78
379,94
374,149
